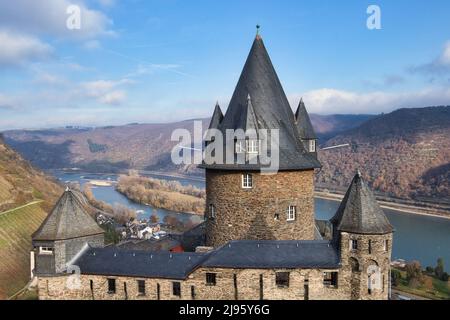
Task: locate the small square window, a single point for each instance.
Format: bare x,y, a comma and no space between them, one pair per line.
282,279
176,289
292,210
111,286
247,181
330,279
210,279
141,287
45,250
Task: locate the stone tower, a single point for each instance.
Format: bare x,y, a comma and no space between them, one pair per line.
63,234
242,202
364,235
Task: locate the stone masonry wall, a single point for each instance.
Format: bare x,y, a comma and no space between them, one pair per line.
250,213
358,280
247,280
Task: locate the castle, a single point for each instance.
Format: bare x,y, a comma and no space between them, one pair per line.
261,237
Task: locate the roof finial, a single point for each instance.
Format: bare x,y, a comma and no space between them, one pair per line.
358,173
67,188
257,31
248,97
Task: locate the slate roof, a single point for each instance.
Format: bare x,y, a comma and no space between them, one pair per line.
274,254
241,254
271,110
67,220
111,261
359,212
216,118
304,126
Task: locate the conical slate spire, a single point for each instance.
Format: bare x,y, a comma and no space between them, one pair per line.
67,220
359,212
304,126
271,111
216,118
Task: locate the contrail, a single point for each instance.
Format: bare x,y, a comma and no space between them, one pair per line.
335,147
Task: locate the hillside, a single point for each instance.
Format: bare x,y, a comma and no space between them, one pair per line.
137,146
405,154
26,195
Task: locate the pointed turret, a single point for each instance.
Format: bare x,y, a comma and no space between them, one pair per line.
304,126
270,108
67,220
216,118
359,212
66,231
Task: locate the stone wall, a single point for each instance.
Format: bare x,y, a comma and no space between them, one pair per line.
247,286
250,213
358,279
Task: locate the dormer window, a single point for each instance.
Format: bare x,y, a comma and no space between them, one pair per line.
247,181
312,145
240,146
253,146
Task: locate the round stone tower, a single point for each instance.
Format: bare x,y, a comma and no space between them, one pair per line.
243,200
364,236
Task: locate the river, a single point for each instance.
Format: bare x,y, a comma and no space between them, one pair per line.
416,237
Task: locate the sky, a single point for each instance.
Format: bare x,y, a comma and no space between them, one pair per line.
168,60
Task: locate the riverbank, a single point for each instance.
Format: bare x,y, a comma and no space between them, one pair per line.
416,210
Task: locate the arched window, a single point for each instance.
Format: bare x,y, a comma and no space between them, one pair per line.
373,277
354,264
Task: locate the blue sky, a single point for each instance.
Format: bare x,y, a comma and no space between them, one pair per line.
167,60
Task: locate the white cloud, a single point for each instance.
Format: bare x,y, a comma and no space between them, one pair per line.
7,102
113,97
17,49
105,91
333,101
440,65
49,17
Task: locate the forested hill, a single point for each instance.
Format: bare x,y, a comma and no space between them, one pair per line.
403,154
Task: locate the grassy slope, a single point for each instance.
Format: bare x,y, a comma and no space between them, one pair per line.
15,245
20,184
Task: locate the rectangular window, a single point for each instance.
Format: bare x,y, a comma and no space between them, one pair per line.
292,210
176,289
253,146
386,245
45,250
141,287
240,146
111,285
247,181
330,279
212,211
211,279
282,279
312,145
353,244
